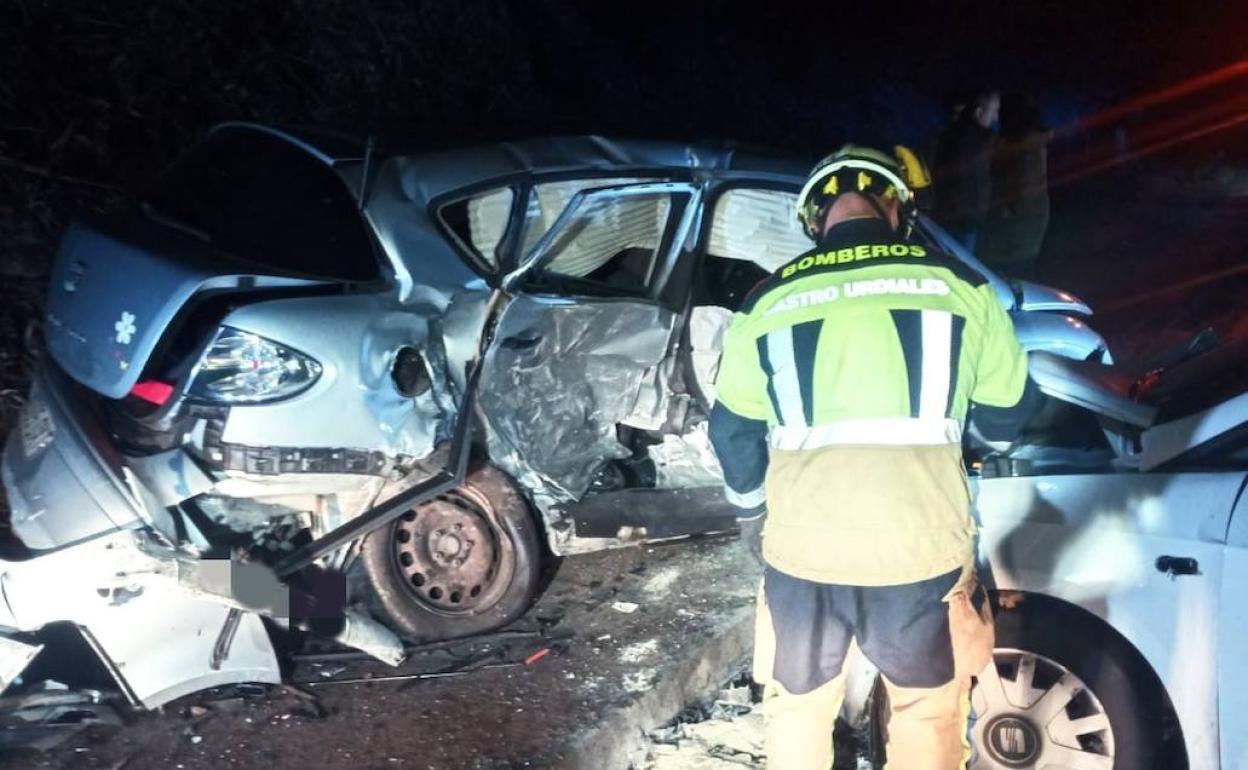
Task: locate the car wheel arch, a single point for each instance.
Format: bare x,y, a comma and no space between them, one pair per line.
524,561
1035,606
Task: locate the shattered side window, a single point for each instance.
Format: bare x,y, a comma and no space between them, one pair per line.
758,226
479,223
611,244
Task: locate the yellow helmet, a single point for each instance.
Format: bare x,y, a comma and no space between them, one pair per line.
862,170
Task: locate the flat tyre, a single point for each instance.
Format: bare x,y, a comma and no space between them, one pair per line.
464,563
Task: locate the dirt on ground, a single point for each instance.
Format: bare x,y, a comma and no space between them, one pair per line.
620,643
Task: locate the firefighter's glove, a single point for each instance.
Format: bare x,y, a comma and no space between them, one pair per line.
752,535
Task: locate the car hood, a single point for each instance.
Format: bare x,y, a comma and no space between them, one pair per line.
1036,296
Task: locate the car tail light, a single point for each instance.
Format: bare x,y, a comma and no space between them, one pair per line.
153,392
243,368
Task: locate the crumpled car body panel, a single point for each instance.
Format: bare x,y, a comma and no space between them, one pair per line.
559,379
590,402
356,402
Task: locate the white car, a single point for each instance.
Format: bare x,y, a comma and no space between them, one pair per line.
1113,538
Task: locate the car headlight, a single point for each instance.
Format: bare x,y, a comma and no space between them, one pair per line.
243,368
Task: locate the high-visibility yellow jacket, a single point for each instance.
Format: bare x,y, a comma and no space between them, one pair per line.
844,384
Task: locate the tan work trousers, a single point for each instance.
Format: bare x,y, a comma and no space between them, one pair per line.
927,726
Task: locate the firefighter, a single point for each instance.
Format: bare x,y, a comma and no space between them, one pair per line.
845,383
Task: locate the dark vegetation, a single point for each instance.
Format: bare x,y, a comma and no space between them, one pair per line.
95,98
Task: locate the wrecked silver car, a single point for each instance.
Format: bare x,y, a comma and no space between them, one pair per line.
376,395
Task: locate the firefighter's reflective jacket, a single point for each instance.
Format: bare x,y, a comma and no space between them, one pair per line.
841,395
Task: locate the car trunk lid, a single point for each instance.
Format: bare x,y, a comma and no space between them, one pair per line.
113,294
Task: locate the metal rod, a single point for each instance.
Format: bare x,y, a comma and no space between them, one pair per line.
221,650
366,174
382,514
409,677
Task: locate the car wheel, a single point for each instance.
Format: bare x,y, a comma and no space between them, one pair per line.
464,563
1063,692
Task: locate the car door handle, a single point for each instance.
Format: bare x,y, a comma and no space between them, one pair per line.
521,341
1177,565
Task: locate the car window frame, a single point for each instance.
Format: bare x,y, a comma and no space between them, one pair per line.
477,262
522,184
682,221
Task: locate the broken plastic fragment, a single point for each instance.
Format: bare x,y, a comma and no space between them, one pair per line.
367,635
14,657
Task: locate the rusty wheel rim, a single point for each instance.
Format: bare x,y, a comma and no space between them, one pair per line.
452,555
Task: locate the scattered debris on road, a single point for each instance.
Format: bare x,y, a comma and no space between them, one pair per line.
577,703
726,732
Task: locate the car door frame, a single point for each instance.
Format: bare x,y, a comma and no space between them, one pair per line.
674,248
671,246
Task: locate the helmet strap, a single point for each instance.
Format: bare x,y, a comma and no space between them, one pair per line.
875,205
871,201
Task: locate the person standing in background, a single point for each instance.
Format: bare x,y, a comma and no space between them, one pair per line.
954,104
1019,215
962,173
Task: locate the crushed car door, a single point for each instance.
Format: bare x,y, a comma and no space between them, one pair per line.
587,328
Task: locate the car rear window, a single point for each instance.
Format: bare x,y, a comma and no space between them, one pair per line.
267,201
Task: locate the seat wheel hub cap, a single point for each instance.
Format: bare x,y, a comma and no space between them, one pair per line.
1031,711
1013,741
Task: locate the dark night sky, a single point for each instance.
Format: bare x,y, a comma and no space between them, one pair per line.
112,91
97,97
